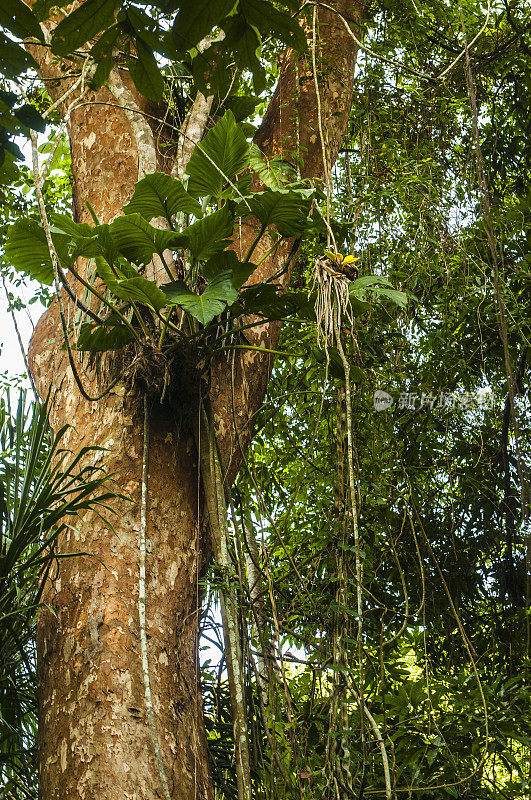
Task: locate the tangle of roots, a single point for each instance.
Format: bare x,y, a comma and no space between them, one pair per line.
332,305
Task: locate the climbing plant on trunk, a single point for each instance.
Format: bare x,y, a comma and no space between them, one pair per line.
169,282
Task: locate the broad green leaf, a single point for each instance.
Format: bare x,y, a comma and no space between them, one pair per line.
197,19
135,288
358,303
8,169
30,117
221,155
262,298
179,294
287,211
142,290
80,237
98,338
395,296
241,187
82,25
7,100
13,149
265,17
63,223
369,281
42,8
160,195
137,24
227,262
335,365
18,18
242,106
221,288
275,172
137,240
209,235
102,53
204,307
13,58
211,70
26,250
145,73
244,42
270,301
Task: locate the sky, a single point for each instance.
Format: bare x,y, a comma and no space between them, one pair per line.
11,361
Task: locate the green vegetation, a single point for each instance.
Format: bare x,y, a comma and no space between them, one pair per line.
426,694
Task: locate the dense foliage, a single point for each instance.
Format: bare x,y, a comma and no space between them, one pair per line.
432,195
43,491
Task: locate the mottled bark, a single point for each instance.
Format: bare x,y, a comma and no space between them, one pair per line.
94,741
93,734
290,129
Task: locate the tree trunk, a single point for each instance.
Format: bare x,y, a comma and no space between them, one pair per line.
94,738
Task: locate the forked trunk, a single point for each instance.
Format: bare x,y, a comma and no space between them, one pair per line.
94,737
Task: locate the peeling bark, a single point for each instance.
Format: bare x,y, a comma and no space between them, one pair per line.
94,740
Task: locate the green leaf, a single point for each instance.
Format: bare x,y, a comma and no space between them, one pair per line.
275,172
160,195
358,304
244,42
13,58
272,302
396,297
27,251
30,117
369,281
14,149
211,70
135,288
136,24
227,262
137,240
265,17
203,307
196,19
80,237
63,223
82,25
145,73
102,53
18,18
335,364
288,211
42,8
209,235
143,291
263,298
242,106
221,155
221,288
98,338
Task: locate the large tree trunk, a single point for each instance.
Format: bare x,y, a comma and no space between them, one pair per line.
94,736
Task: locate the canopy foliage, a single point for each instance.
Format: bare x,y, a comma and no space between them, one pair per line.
432,196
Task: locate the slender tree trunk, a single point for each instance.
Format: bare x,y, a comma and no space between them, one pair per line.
94,737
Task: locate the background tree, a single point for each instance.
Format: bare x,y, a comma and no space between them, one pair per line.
403,603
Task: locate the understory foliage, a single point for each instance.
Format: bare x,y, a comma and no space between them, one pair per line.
43,491
426,693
